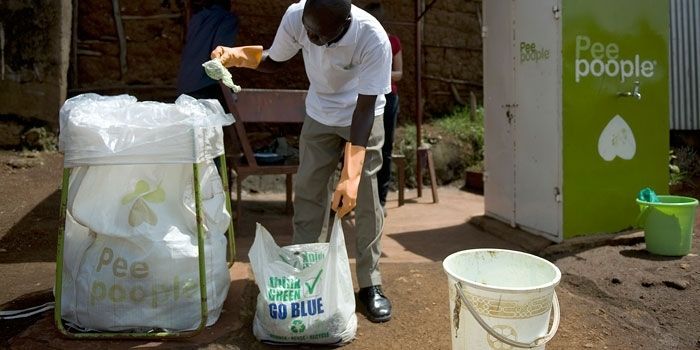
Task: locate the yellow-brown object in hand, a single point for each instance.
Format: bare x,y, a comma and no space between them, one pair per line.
345,195
240,56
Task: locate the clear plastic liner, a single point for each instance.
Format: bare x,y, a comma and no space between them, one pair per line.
101,130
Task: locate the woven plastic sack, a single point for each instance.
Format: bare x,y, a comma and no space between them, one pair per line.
131,250
130,257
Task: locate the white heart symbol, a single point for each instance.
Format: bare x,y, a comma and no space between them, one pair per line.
617,140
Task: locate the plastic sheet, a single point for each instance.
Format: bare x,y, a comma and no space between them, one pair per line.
101,130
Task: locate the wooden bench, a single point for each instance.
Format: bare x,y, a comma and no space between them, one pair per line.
259,106
425,159
400,161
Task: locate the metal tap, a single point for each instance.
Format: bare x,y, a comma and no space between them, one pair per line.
635,93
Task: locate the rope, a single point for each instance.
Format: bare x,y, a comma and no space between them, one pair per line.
14,314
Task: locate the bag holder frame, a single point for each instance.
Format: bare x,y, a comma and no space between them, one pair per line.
223,172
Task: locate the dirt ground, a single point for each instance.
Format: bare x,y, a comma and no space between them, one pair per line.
613,293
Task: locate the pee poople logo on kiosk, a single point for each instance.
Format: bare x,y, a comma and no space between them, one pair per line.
598,59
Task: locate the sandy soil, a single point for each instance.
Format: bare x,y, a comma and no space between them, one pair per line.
613,296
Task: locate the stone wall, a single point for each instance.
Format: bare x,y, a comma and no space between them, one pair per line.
451,50
34,55
141,58
144,60
452,60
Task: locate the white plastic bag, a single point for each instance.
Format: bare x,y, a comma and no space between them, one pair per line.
99,129
306,294
131,256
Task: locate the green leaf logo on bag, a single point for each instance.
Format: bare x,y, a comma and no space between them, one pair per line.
297,326
140,211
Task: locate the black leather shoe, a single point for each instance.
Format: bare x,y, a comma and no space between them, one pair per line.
376,306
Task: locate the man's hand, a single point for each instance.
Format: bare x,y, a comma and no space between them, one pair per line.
345,195
241,56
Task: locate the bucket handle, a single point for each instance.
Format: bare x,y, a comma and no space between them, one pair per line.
535,343
642,217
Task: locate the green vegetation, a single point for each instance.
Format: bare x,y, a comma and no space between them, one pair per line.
39,139
456,141
470,132
683,166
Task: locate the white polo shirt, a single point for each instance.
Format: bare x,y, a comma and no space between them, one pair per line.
359,63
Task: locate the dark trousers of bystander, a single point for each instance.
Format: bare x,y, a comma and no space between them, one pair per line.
391,111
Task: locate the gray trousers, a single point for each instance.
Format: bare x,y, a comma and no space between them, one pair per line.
320,149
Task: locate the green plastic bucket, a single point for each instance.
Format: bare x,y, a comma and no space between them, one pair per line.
668,224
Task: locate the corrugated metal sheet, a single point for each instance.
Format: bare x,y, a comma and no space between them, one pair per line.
685,64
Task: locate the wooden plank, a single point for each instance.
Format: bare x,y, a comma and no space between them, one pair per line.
452,81
88,52
74,45
120,88
160,16
256,106
2,52
116,9
268,170
238,126
271,106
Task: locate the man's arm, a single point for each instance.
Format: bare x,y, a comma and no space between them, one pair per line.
396,67
226,33
284,46
253,57
268,65
362,120
374,79
345,195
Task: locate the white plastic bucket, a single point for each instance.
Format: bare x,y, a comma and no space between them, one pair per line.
501,299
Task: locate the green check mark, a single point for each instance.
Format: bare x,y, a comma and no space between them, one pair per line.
311,287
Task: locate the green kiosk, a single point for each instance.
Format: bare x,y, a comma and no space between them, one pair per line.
577,112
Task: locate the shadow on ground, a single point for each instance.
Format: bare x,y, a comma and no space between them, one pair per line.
33,238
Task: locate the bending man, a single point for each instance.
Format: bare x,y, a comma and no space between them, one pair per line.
347,57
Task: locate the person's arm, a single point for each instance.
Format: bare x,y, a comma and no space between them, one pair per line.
253,57
374,79
397,67
362,120
239,56
345,195
268,65
396,59
284,47
226,32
